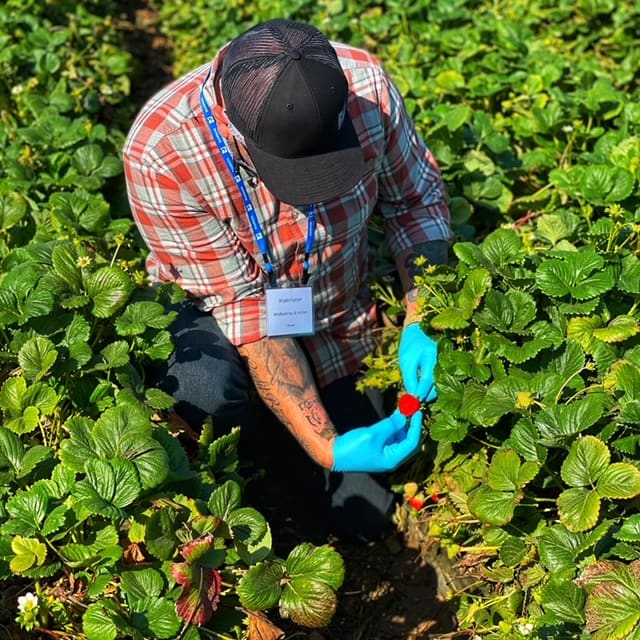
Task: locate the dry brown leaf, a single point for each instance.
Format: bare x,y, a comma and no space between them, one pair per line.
261,628
133,554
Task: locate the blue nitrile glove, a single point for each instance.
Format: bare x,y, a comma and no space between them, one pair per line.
418,355
381,447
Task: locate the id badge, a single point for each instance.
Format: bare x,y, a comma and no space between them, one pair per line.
290,311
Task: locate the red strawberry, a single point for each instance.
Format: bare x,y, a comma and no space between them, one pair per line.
417,501
408,404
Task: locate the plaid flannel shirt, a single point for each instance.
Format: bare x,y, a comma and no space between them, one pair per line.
192,219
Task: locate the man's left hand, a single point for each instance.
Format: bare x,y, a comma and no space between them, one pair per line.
418,355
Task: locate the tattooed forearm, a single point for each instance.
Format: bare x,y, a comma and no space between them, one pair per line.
283,379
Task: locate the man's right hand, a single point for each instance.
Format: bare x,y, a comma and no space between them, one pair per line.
380,447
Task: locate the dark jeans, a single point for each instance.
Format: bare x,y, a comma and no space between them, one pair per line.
207,377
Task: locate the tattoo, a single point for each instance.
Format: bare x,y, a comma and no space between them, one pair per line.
312,413
283,379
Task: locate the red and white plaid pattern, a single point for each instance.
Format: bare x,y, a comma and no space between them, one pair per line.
192,219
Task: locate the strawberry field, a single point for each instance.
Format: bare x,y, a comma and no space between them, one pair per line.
528,482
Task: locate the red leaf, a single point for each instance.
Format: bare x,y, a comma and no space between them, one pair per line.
408,404
201,585
200,595
195,549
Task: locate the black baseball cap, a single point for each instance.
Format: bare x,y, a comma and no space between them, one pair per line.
285,92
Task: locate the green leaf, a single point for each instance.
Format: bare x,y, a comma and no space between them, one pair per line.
587,460
252,552
25,423
476,284
447,428
41,396
260,587
525,439
619,481
320,563
604,184
88,158
570,362
99,584
38,303
156,618
137,317
503,471
115,354
510,312
64,258
123,432
502,397
30,507
225,499
248,524
160,347
36,356
449,80
28,552
11,395
629,279
543,335
556,227
308,602
223,452
581,330
449,318
492,507
33,456
512,551
559,548
108,487
630,529
619,329
160,534
456,116
580,275
13,208
139,584
158,399
565,601
579,509
79,448
98,623
555,424
109,288
502,247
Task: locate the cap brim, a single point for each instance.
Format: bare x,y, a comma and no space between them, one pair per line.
312,179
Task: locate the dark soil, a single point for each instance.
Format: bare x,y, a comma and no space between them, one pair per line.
393,588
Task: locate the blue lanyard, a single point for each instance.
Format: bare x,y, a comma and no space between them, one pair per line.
251,212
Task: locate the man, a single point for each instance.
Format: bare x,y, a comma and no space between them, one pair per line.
252,180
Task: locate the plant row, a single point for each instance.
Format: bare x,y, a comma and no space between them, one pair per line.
529,480
108,527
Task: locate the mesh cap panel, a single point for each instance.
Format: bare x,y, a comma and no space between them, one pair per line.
254,61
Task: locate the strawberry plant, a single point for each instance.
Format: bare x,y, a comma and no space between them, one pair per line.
535,425
531,109
108,529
